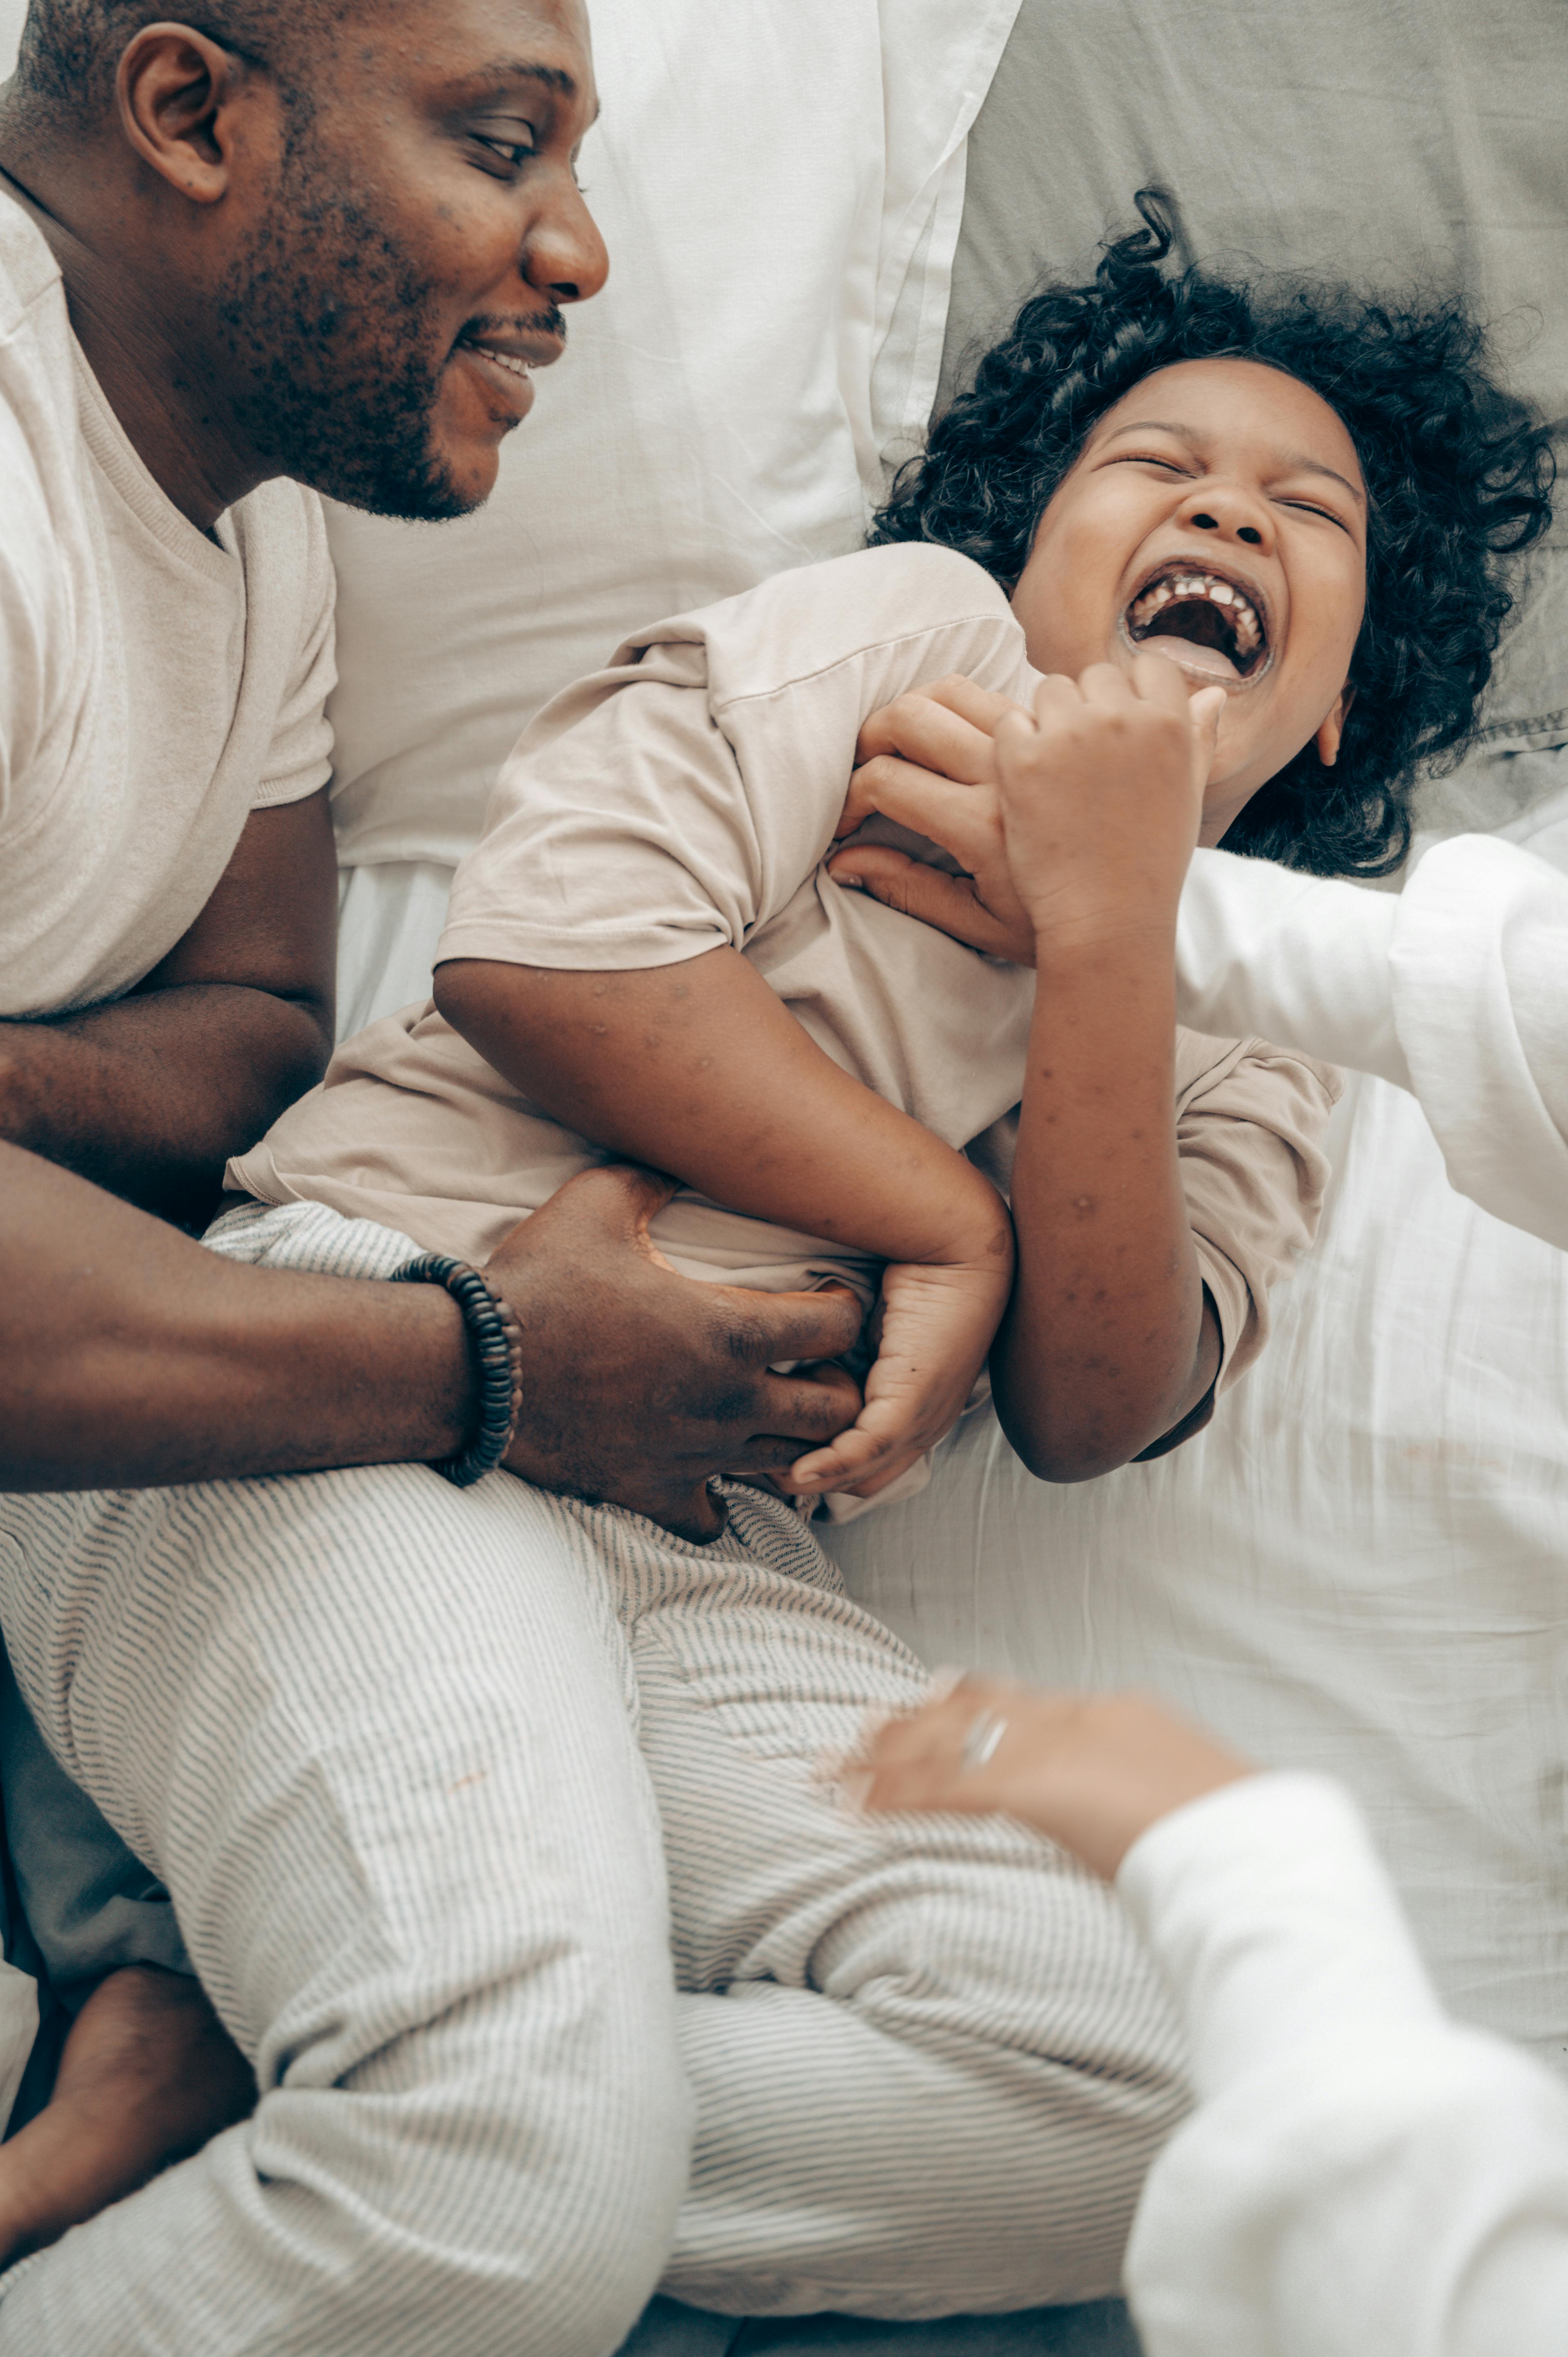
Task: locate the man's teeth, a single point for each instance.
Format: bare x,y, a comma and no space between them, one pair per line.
502,359
1174,588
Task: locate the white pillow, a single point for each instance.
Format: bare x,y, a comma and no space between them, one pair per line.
780,191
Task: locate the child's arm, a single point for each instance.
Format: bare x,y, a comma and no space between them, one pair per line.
699,1069
1109,1346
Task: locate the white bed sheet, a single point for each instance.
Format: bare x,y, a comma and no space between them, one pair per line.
1361,1568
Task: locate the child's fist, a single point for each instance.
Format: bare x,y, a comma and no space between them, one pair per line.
1101,790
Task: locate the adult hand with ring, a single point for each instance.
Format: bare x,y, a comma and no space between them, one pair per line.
1089,1772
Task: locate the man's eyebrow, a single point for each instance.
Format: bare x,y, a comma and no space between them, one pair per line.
493,79
1297,462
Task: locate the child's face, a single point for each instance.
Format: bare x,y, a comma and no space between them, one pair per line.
1217,516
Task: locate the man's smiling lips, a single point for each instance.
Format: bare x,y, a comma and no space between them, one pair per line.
505,364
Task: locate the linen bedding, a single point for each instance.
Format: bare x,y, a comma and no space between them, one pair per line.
1360,1567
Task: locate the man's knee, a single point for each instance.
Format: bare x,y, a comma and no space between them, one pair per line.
479,2211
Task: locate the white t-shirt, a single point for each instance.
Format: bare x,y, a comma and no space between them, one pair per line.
155,686
1361,2178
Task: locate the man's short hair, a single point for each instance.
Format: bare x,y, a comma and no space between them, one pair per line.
71,48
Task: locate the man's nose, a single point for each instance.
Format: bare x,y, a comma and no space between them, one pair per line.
1230,512
564,255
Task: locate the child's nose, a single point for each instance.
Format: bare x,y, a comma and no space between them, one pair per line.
1231,512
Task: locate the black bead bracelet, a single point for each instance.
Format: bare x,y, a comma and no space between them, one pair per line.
496,1338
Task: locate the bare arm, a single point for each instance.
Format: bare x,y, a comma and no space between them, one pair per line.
1110,1344
700,1069
149,1096
131,1357
128,1355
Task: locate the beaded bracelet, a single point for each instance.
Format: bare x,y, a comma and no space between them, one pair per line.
498,1345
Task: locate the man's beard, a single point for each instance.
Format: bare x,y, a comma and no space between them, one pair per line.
337,346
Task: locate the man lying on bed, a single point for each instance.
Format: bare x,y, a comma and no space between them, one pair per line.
256,1681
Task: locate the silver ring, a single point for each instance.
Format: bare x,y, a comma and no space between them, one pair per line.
986,1731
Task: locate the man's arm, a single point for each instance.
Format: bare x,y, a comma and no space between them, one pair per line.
130,1356
700,1069
149,1096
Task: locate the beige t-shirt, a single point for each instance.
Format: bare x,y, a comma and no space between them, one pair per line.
683,799
155,686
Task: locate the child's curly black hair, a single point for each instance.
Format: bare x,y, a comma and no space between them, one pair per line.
1458,477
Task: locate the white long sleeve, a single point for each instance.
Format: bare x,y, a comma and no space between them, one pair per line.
1360,2174
1455,988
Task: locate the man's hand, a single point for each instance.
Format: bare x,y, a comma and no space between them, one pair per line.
1089,1772
639,1385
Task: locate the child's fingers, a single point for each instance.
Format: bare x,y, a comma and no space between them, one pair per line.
1157,680
962,818
854,1456
1207,710
932,734
982,707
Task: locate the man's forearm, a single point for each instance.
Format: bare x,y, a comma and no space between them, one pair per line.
148,1096
128,1355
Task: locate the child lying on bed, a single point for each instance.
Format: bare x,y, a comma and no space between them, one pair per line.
647,951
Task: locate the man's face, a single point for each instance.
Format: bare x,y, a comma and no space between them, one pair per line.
1216,515
408,261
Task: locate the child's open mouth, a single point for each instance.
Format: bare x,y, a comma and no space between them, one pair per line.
1207,623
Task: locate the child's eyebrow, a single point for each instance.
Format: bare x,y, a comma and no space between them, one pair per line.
1294,462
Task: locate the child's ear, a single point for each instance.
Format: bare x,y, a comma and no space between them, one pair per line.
1333,727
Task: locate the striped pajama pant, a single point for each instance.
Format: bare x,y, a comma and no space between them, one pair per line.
438,1784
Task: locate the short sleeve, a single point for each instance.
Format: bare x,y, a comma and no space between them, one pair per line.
35,617
299,758
619,835
677,800
1249,1125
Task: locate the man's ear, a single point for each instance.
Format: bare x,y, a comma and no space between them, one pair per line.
1332,728
175,92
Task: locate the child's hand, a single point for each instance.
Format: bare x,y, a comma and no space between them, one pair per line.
928,761
1091,1772
1101,794
936,1328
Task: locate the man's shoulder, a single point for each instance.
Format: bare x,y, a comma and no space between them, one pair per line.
29,275
801,624
280,522
280,534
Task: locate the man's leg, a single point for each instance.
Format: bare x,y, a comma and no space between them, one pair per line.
932,2064
374,1735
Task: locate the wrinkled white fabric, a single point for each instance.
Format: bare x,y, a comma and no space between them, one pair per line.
1456,988
1359,2174
1359,1566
